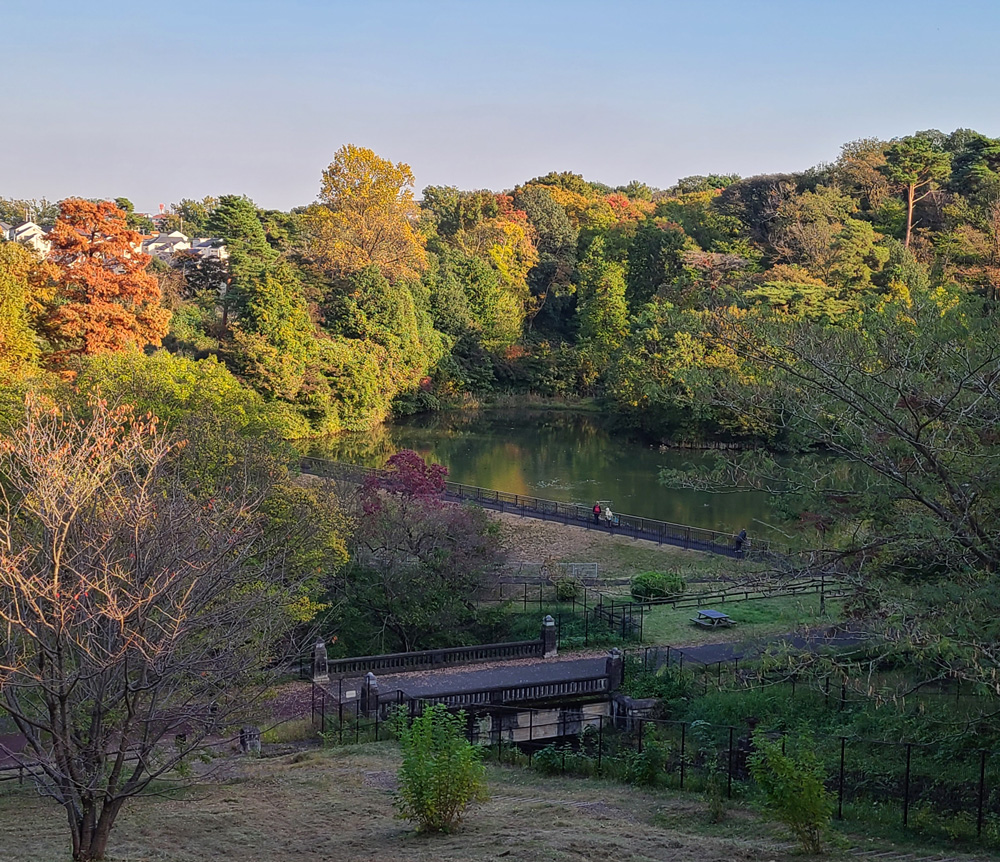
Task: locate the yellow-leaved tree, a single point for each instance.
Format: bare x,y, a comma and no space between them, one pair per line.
367,216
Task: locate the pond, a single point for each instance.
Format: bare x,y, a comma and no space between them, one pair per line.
557,455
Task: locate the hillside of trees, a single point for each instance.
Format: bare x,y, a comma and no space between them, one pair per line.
369,303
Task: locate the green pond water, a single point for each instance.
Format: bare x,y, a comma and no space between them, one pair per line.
556,455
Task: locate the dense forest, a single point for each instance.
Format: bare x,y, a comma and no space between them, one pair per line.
369,303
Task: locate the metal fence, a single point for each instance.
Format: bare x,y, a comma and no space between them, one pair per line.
634,526
933,787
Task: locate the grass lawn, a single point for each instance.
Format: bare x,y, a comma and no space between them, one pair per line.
616,556
756,619
336,805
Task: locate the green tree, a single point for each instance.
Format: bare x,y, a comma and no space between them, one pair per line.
416,563
274,336
654,260
916,165
904,396
134,220
195,216
793,784
858,171
601,306
19,348
441,774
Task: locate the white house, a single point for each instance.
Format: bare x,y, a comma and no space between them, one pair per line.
165,245
207,247
31,235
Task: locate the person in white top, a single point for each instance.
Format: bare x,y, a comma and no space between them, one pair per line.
608,517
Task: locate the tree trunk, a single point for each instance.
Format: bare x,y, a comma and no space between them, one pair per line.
90,832
911,192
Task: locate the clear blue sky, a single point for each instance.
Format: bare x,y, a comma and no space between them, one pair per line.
182,99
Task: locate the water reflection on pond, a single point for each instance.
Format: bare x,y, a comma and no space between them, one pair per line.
558,455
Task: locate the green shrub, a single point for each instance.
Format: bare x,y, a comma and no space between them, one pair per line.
793,784
441,774
645,767
667,683
656,585
567,589
550,760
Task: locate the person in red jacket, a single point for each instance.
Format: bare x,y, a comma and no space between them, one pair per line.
597,513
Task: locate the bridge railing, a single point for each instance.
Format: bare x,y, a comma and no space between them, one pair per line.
635,526
504,695
405,661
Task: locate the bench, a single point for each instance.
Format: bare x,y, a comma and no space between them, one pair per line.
713,620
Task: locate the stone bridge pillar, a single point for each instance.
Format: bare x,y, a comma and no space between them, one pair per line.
615,669
369,694
321,669
550,646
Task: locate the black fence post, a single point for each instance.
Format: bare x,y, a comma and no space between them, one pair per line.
525,595
729,780
640,735
531,734
906,785
586,620
840,781
600,741
683,735
982,789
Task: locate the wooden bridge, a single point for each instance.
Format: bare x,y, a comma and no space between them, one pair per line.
573,514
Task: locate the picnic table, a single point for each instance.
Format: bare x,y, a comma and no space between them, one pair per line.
713,619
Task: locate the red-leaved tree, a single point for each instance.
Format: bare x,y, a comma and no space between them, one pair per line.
105,301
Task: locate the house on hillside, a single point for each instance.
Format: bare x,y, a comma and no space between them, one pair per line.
31,235
208,248
5,230
165,245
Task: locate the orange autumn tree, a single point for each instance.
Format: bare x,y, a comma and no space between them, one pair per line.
105,301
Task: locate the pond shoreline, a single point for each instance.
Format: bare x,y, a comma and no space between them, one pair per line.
563,455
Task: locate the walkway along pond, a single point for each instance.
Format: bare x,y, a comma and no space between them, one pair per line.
563,455
634,526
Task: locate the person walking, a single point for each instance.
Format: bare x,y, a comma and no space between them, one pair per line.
740,543
597,512
608,516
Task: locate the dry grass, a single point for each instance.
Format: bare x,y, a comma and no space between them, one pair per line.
616,556
337,805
